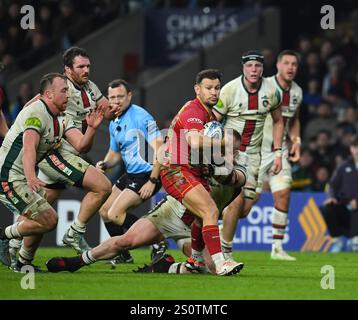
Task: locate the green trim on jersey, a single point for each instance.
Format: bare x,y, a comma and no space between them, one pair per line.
31,128
75,175
278,96
101,96
11,157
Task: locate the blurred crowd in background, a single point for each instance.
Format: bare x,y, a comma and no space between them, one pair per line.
328,71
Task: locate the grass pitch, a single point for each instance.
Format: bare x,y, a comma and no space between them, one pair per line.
261,278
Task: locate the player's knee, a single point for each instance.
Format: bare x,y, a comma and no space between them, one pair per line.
244,212
101,185
50,222
128,241
117,244
211,212
103,211
281,200
104,187
114,215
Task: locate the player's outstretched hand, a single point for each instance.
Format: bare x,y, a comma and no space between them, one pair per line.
95,117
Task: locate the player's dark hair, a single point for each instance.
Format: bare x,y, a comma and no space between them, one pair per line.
120,82
288,53
70,55
211,74
47,80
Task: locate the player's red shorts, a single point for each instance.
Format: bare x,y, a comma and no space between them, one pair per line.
178,180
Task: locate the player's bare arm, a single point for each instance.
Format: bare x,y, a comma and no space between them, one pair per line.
83,142
103,103
197,140
295,152
3,125
31,140
278,128
148,188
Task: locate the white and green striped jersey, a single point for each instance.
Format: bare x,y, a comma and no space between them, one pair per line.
81,101
291,100
37,116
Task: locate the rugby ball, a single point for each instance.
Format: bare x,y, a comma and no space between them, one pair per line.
214,129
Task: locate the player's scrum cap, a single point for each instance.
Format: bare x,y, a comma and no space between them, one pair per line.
252,56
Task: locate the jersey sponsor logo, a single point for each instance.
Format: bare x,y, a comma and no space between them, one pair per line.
195,120
33,122
93,96
266,103
9,193
295,100
57,162
81,114
219,104
315,228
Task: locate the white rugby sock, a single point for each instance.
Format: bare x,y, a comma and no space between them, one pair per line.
77,226
15,243
87,257
279,223
218,258
12,231
26,255
226,246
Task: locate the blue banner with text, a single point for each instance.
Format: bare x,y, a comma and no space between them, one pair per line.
307,230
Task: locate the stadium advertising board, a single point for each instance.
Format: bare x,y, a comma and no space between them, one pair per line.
172,35
307,230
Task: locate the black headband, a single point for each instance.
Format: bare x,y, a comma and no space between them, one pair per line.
252,57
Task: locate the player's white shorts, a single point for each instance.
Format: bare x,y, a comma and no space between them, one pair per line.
18,198
166,217
282,180
252,162
62,167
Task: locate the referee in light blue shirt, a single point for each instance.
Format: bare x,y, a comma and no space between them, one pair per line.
131,132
